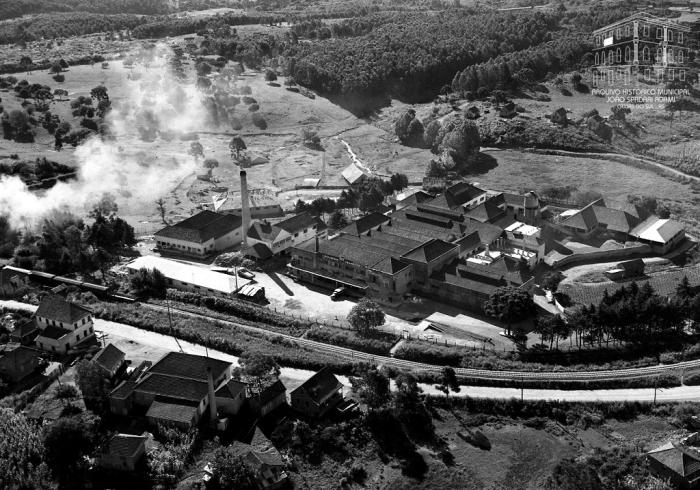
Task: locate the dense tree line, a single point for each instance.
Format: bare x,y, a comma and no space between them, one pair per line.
65,244
51,26
633,314
18,8
523,67
413,52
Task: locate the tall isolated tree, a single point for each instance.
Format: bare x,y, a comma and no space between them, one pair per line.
92,383
230,470
237,145
448,382
399,182
372,387
365,317
160,206
510,305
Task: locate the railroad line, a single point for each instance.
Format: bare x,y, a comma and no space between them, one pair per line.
482,374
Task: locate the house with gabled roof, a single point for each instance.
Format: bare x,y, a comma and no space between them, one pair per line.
265,461
18,361
200,235
318,395
660,234
282,235
676,462
62,324
12,281
230,396
123,452
177,390
460,196
110,359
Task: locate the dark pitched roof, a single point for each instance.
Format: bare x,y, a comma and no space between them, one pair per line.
273,391
54,307
25,329
202,227
429,251
469,242
321,385
585,219
172,412
173,387
189,366
390,265
54,333
264,231
231,389
631,264
486,212
124,445
488,233
504,270
615,219
109,358
123,390
258,250
299,222
457,195
678,459
365,223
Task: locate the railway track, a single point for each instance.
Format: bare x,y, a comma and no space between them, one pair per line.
481,374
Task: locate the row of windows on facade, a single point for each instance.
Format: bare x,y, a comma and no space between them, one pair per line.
646,32
60,324
172,282
53,347
649,73
673,56
183,247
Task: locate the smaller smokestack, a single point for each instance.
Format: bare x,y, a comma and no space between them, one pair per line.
245,207
213,413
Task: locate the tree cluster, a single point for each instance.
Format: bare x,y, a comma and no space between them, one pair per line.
66,244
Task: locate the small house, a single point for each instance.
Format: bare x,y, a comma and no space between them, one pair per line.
270,398
231,396
678,463
62,324
122,452
110,359
318,395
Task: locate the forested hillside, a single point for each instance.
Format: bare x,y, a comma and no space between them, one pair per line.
413,55
17,8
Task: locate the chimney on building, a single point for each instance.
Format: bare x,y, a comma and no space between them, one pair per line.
245,207
213,413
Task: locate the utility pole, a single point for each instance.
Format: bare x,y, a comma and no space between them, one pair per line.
170,322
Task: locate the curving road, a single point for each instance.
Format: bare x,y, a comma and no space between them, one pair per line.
294,377
676,369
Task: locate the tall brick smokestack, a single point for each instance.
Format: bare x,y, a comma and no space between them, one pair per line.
213,413
245,207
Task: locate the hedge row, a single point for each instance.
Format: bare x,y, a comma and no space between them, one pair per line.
379,344
242,310
220,336
430,354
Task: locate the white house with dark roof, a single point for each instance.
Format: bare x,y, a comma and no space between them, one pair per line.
204,233
62,324
287,233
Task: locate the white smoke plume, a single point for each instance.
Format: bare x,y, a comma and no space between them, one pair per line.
135,172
